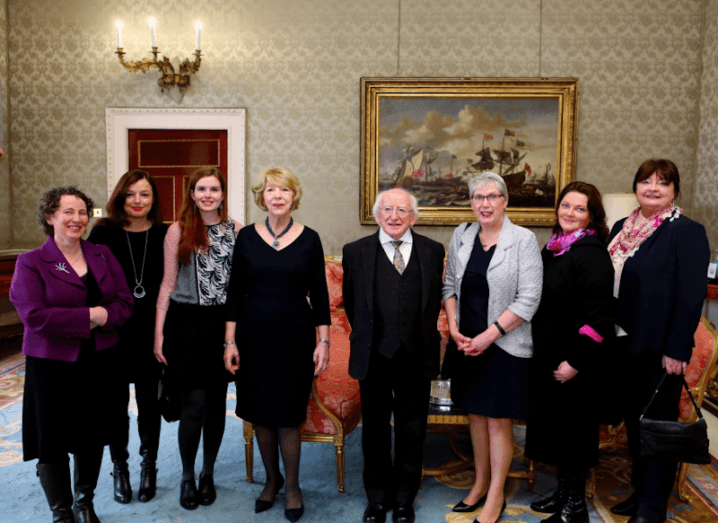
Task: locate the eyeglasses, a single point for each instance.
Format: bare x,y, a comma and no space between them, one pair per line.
493,198
401,211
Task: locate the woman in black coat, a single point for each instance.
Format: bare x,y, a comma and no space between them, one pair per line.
571,333
660,258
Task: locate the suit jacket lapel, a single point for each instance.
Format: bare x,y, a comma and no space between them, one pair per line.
369,253
506,238
56,264
421,257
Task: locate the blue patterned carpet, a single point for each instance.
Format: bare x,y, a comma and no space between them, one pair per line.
22,499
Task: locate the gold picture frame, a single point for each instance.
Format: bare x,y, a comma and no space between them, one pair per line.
431,135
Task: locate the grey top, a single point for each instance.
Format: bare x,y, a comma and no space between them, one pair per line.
204,281
515,278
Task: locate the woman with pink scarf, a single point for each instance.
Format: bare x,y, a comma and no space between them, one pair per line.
660,259
571,331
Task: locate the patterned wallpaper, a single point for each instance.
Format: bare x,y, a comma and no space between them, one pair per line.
5,187
706,194
295,66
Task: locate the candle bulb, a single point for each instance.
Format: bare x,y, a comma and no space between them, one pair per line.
198,27
118,24
153,22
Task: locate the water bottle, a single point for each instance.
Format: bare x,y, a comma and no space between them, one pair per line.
713,270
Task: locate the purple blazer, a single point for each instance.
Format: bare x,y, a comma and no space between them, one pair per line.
51,301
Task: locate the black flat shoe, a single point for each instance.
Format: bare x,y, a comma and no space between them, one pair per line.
293,514
375,513
463,507
188,494
260,505
206,490
627,507
403,513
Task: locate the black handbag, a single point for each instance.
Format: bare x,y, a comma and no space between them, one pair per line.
170,399
673,440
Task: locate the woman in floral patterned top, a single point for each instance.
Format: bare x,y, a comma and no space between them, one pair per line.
189,332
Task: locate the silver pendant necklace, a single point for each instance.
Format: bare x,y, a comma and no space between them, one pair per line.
139,291
275,243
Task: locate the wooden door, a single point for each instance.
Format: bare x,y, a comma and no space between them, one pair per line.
171,156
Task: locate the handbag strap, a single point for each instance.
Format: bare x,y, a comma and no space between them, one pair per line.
685,385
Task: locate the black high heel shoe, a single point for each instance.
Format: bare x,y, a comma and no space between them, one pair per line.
503,507
463,507
293,514
260,505
148,482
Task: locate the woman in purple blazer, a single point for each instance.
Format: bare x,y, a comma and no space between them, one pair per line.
71,296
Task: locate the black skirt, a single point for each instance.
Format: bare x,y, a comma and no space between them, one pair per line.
69,406
493,384
194,346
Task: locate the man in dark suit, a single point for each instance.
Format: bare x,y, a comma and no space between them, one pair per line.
392,295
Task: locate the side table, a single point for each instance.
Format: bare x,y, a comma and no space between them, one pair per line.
453,421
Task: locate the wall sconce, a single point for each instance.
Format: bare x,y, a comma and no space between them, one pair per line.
169,78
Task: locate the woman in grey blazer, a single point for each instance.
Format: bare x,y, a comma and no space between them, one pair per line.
491,291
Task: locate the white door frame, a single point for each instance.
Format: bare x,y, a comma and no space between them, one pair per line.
120,120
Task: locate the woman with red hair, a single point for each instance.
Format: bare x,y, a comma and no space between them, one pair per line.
189,331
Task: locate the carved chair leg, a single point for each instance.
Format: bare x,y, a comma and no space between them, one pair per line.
682,490
531,475
340,465
591,483
249,450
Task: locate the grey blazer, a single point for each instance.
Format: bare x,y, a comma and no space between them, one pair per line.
514,275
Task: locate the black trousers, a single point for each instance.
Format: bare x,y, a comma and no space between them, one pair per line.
393,386
149,423
652,479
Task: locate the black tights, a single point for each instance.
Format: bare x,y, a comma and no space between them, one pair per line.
288,441
202,410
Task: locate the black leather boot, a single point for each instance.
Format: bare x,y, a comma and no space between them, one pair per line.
121,482
148,481
574,509
55,481
554,502
87,471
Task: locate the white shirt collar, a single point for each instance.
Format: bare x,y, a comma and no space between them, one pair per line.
385,238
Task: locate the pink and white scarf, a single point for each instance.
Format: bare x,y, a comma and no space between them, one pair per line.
633,233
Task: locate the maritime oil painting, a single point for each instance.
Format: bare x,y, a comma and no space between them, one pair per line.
431,136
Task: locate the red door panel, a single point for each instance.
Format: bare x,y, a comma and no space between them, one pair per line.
171,156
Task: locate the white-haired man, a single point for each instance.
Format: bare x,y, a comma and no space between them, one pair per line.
392,295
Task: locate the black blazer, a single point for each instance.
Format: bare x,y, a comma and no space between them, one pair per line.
663,286
359,263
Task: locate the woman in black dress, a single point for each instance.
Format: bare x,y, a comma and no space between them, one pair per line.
189,330
276,265
491,291
572,331
71,297
135,235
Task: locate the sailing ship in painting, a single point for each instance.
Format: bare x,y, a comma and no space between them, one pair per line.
438,180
